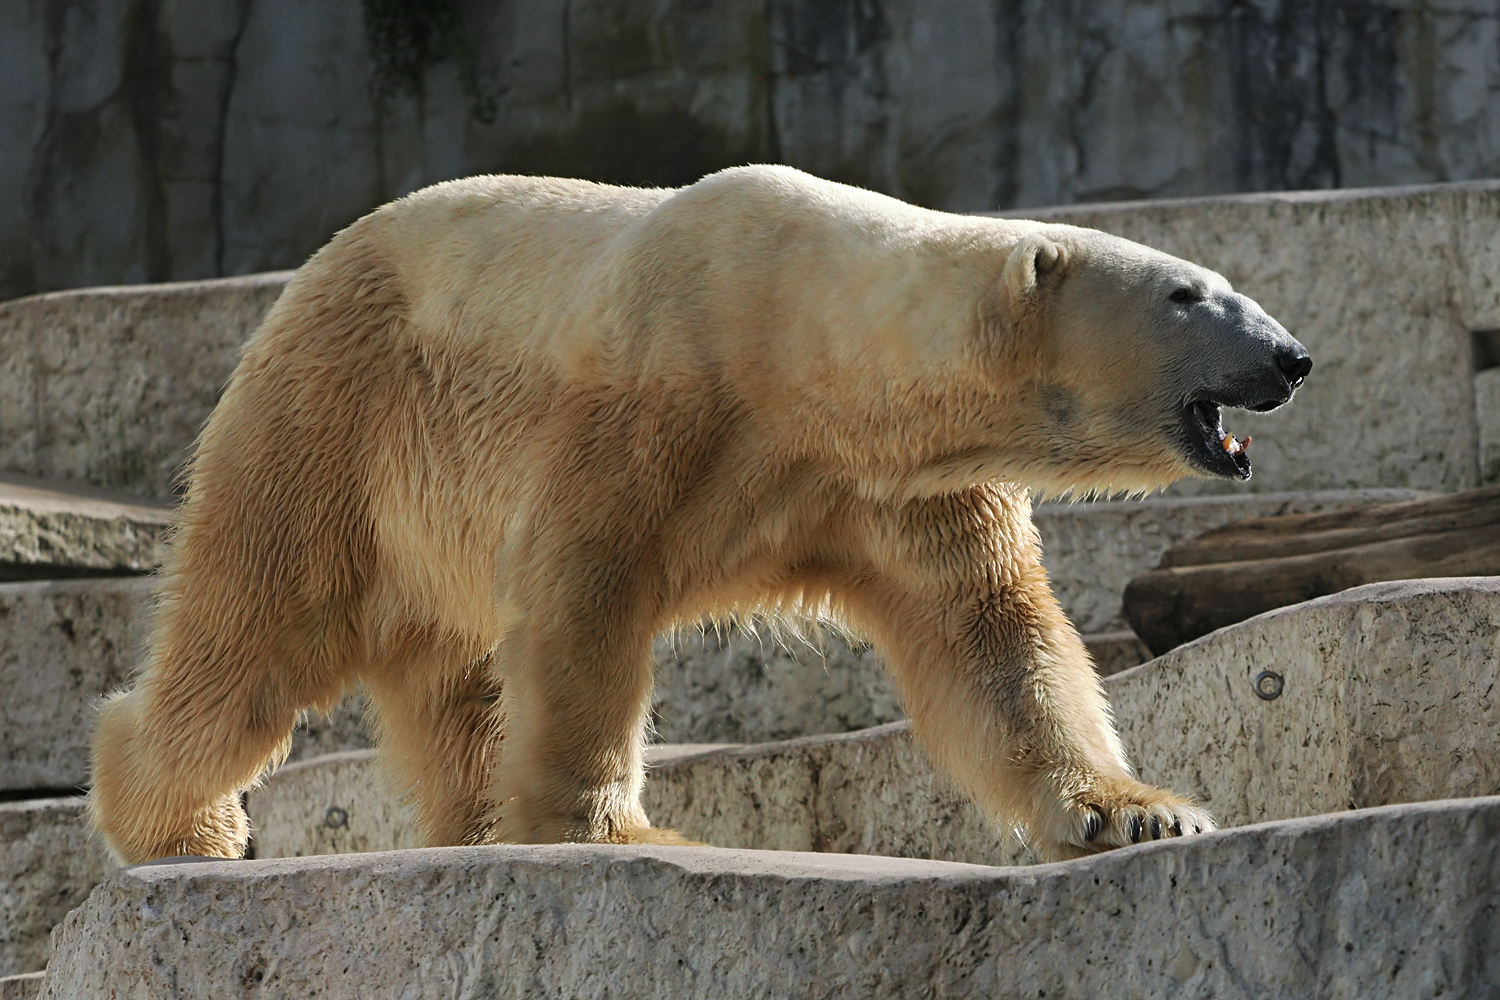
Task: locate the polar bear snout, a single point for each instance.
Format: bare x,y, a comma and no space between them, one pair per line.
1259,367
1283,367
1295,364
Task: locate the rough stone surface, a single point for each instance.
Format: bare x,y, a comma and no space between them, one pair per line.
1092,550
48,865
1390,693
23,987
63,644
1116,651
46,531
190,140
742,685
1487,415
1386,903
1384,287
110,386
871,792
338,804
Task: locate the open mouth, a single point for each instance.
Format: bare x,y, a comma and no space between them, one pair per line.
1210,446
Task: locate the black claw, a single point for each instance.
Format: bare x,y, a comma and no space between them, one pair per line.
1197,828
1155,827
1135,829
1176,826
1092,826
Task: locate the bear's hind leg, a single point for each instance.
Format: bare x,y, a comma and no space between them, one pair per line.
577,697
171,756
439,726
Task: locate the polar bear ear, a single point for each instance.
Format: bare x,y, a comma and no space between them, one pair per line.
1033,259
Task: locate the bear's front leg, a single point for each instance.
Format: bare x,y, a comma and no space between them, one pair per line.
1000,689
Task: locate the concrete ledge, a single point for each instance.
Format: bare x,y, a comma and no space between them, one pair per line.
1394,902
48,531
1092,550
742,685
48,865
24,987
1388,693
110,386
338,804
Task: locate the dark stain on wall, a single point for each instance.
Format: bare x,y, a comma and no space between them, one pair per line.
147,91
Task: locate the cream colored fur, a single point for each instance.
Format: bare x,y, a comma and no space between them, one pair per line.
498,434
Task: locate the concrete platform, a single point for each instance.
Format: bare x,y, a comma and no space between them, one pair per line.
1385,903
27,986
48,865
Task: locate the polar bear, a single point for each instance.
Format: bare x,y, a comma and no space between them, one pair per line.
497,434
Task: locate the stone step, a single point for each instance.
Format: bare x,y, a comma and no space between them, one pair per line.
27,986
744,686
63,644
1391,902
48,865
1387,694
50,530
1380,694
1331,740
110,386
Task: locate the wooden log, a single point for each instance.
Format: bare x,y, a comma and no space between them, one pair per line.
1241,570
1301,534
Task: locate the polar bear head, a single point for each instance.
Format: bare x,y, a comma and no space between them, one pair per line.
1137,353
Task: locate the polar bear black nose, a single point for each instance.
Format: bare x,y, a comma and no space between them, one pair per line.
1294,364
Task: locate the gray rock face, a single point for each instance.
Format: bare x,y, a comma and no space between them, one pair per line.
48,865
1382,903
109,386
63,644
1487,414
743,686
216,161
27,986
337,804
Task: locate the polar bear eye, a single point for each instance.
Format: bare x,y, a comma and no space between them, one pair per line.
1186,295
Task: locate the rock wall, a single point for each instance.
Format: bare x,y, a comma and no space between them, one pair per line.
149,140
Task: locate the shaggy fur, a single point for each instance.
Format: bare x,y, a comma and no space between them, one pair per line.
498,434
